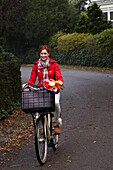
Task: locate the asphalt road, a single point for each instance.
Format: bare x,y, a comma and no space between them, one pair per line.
87,131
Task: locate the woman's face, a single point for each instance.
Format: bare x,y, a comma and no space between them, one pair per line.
44,55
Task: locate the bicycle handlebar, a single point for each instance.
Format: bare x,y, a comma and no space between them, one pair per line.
61,87
34,87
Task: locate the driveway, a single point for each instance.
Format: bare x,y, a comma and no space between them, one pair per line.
87,132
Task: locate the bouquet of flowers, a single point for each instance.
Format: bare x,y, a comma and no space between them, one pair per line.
51,85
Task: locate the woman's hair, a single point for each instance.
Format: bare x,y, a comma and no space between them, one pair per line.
45,47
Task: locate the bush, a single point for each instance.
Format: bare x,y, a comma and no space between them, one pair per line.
30,57
83,49
93,21
53,41
69,42
104,43
10,84
108,61
75,57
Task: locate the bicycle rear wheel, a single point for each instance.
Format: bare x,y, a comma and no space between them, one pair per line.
41,142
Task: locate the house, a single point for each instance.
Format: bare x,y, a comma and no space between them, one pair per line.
107,8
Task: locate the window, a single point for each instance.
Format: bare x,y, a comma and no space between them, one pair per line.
111,15
105,15
108,0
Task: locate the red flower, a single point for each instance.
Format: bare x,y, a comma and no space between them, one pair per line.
51,84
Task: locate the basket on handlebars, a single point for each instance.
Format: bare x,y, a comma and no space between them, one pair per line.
32,101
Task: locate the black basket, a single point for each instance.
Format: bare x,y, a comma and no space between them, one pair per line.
32,101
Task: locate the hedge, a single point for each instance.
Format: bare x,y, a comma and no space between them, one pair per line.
10,82
86,50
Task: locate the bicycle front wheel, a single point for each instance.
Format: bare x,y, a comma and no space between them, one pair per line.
41,143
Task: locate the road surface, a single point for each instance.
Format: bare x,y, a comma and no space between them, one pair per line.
86,140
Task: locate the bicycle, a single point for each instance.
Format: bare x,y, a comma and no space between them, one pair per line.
41,105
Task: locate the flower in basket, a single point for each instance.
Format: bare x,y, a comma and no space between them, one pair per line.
52,85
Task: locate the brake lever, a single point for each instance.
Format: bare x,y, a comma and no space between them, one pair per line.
62,87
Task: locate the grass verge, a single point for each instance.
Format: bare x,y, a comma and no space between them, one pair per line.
86,68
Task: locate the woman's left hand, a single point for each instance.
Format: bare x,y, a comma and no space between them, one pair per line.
60,82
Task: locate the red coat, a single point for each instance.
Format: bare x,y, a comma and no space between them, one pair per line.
53,72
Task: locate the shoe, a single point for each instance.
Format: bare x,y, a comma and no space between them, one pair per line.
57,130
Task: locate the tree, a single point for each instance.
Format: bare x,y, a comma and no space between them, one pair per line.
12,24
82,25
95,21
46,17
80,4
26,24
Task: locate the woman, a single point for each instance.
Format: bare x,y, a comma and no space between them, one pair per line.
46,68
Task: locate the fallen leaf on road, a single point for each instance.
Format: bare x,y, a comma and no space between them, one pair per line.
56,162
76,140
17,129
20,136
94,128
69,161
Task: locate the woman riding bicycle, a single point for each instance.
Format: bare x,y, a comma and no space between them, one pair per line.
46,68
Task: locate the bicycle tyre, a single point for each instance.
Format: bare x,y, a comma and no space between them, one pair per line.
41,142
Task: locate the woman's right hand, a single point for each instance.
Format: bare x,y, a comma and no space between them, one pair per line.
23,85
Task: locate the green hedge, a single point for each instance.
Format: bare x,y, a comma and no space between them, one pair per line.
53,41
104,43
75,57
10,82
86,50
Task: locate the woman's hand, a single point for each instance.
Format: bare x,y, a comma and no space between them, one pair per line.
60,82
23,85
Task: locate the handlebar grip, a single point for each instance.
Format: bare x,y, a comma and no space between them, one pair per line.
26,86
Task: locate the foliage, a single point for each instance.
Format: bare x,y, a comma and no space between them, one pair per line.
46,18
82,25
27,24
75,57
79,4
10,83
96,21
17,129
108,61
93,22
53,41
86,50
30,56
12,24
72,41
104,43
